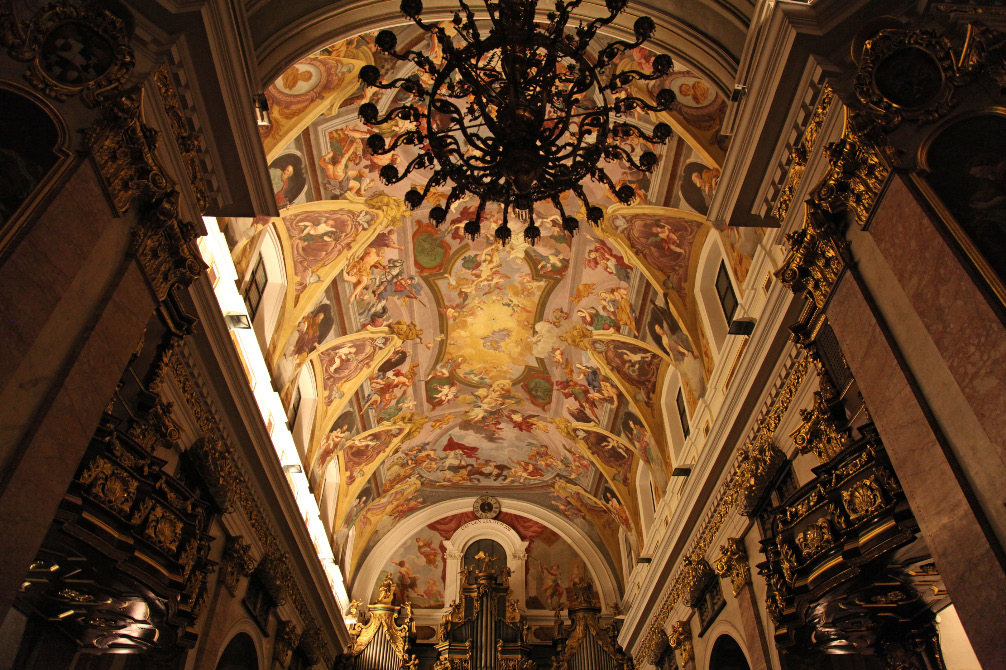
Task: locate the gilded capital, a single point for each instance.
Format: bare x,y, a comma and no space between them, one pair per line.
733,563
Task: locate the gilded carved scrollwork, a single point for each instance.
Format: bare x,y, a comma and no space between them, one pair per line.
189,144
123,150
907,75
287,639
696,574
733,564
819,252
680,639
822,431
237,564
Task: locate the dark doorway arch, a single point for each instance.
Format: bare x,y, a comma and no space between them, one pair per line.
727,655
239,654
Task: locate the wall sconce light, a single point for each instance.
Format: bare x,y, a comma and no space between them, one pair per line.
236,321
741,327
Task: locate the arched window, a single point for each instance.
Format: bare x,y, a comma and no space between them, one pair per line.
727,655
239,654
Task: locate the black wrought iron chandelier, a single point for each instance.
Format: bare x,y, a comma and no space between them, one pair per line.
518,116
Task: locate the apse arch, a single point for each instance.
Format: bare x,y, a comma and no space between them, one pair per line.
597,566
727,652
244,644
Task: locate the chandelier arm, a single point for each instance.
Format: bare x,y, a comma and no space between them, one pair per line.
585,34
626,77
453,111
614,152
418,162
456,62
438,178
411,86
470,23
602,177
473,140
458,154
582,196
410,137
422,61
631,102
660,135
612,51
402,112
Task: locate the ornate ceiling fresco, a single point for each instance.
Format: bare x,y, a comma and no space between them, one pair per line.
445,368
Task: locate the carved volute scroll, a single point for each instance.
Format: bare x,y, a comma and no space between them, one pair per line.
733,564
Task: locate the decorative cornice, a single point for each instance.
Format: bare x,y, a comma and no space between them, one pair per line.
801,153
219,468
728,501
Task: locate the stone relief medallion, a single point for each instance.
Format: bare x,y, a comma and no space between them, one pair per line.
907,75
487,507
910,77
75,51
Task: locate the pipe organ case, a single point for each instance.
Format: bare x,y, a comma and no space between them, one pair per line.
587,645
379,641
484,629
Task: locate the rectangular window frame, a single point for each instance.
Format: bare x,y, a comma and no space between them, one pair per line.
256,289
726,294
686,429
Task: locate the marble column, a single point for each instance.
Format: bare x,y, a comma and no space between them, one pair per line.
879,314
73,307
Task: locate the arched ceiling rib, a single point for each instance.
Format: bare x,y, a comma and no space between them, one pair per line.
446,368
707,37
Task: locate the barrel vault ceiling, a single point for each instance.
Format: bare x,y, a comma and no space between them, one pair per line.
432,369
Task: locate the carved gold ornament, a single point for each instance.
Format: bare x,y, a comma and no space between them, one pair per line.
680,639
733,563
907,75
73,50
862,499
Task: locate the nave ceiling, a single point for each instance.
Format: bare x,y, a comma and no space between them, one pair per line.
430,368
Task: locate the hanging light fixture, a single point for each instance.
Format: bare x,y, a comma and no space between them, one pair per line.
518,116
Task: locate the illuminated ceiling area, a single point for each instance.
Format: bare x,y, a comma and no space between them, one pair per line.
420,370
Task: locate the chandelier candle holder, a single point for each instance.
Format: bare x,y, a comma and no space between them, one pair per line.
518,116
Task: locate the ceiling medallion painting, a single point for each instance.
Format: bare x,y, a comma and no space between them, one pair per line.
433,369
520,115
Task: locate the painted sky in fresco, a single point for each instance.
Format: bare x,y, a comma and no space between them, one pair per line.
443,366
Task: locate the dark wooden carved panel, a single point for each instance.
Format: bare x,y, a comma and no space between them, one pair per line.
847,570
